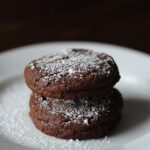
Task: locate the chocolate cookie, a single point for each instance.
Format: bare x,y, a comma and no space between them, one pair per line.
72,74
91,117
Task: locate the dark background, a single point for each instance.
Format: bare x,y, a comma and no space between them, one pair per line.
122,22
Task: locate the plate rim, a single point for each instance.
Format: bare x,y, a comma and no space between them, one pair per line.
17,49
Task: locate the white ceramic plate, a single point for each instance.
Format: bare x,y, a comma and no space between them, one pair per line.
17,130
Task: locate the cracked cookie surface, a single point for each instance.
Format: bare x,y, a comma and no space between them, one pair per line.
72,73
90,117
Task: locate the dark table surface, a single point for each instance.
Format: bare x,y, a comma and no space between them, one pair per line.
122,22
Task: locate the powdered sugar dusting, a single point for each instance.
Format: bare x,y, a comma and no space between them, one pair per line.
77,111
16,125
86,122
73,62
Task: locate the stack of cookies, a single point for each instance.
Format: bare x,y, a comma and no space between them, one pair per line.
73,94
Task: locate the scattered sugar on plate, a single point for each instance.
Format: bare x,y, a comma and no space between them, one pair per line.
16,125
